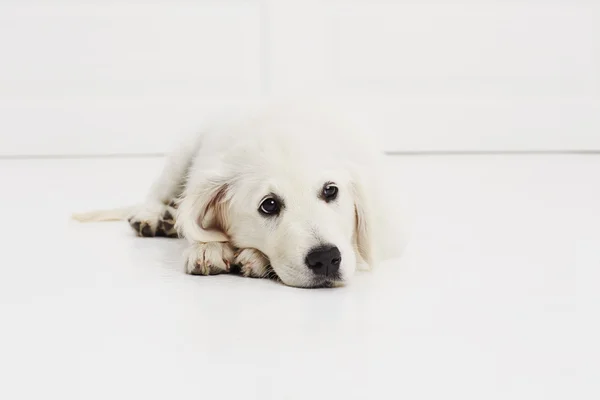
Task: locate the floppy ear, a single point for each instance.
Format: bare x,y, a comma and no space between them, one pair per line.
381,228
202,212
365,229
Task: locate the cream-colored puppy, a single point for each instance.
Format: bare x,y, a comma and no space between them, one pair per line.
283,190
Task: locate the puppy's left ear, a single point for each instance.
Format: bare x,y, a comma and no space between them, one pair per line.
365,229
380,231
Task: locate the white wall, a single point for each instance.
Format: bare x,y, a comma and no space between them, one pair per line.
115,76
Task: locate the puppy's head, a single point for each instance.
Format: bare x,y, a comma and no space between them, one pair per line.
313,224
308,224
299,189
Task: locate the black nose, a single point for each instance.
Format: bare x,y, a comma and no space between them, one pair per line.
324,260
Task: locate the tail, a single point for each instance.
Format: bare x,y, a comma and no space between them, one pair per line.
116,214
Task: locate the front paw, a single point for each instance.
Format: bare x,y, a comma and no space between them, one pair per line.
253,263
209,258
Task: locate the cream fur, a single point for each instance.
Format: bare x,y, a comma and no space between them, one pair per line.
221,175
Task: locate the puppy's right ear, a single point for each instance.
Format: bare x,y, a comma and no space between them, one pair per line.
202,213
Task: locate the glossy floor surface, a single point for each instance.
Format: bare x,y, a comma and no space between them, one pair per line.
496,296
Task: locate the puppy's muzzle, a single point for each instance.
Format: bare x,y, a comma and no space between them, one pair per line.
324,261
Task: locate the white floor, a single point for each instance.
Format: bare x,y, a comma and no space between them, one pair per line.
495,298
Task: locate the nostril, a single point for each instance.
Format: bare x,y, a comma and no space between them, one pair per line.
324,260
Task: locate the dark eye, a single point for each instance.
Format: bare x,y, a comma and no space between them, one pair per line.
330,192
269,206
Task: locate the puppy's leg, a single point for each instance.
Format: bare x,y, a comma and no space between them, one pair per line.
253,263
209,258
159,222
153,219
156,217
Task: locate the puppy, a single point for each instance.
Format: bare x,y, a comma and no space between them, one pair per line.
284,190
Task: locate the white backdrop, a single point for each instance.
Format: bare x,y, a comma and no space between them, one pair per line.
106,77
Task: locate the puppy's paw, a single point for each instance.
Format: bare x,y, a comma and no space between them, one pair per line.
166,224
209,258
154,220
253,263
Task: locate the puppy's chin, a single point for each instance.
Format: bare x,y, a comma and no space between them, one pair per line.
292,280
307,279
317,283
328,283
